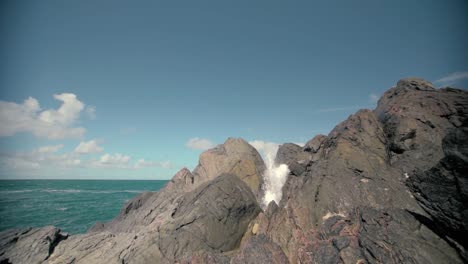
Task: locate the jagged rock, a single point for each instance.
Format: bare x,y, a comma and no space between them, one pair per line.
32,245
365,235
352,170
385,186
293,156
260,249
443,189
206,258
212,218
183,179
396,236
359,164
235,156
374,236
416,117
314,144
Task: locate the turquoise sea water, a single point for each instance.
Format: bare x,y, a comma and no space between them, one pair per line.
72,205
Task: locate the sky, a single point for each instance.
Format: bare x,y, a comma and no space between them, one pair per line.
138,89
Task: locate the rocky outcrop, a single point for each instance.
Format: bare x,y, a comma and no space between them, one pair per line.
211,219
260,249
32,245
385,186
235,156
293,156
442,190
314,144
393,158
149,210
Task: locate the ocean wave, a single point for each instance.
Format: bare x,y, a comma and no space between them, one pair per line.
90,191
16,191
72,191
62,209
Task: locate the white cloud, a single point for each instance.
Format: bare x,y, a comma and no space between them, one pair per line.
373,98
141,163
51,124
67,113
200,143
50,149
91,146
452,78
47,157
117,160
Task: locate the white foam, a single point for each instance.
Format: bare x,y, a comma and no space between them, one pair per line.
275,176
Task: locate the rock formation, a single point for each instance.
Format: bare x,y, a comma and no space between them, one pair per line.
385,186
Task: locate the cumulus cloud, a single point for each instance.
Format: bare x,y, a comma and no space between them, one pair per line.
48,157
51,123
50,149
91,146
114,160
275,175
452,78
38,158
142,163
200,143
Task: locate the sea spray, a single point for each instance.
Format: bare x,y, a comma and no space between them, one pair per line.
275,176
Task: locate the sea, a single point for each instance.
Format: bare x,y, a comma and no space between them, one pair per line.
71,205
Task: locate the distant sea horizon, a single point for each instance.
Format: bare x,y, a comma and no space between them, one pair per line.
73,205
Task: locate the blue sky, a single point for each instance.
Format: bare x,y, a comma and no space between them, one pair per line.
161,81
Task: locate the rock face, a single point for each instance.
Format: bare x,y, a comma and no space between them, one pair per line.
33,245
385,186
408,155
212,218
235,156
293,156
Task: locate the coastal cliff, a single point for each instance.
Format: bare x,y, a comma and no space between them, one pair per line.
388,185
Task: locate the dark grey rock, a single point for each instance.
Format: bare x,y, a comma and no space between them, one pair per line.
213,218
443,189
293,156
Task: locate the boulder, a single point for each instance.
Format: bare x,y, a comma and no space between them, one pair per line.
293,156
236,157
